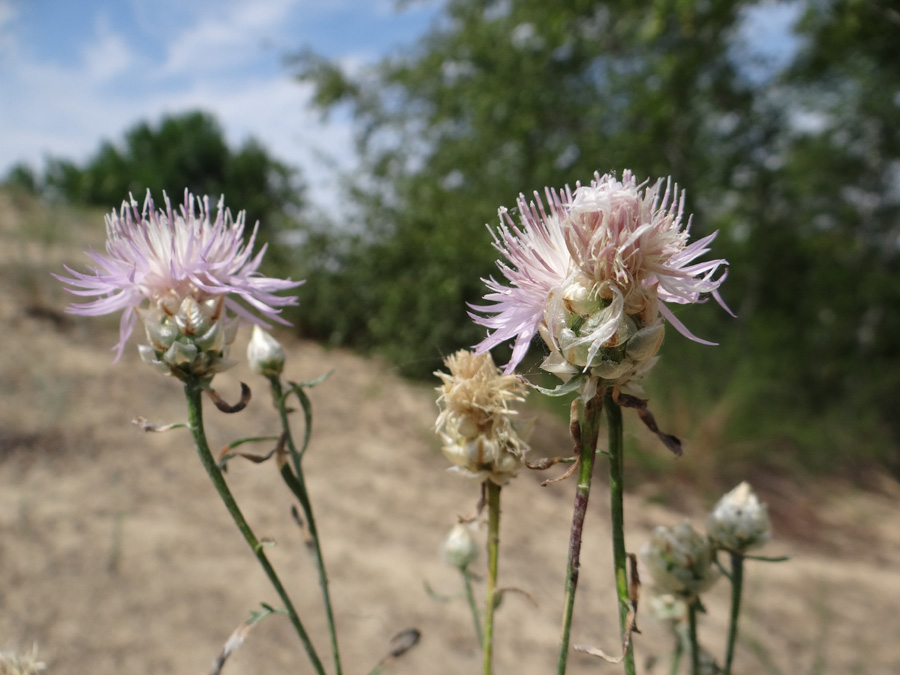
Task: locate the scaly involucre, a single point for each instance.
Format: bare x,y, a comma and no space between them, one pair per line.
167,256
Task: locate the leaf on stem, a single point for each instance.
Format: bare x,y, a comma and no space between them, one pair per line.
225,407
226,453
146,425
237,637
627,401
307,537
634,593
400,644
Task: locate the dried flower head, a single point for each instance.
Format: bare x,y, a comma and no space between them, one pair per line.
183,271
740,521
592,274
21,664
680,560
476,422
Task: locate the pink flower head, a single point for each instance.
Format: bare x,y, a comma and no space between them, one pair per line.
608,250
166,256
540,263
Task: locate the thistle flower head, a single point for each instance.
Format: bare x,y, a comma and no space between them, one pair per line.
476,422
593,272
156,261
680,560
740,521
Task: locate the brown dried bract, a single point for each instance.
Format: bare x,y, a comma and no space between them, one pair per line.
225,407
673,443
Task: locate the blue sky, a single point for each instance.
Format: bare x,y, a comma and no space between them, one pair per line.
75,72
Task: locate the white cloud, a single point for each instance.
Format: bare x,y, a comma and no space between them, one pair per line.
106,56
227,36
142,59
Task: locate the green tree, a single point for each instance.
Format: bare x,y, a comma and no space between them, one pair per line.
498,98
186,151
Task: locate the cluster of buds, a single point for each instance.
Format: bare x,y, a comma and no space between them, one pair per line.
476,423
680,559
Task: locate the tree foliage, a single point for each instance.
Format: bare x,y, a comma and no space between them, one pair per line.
799,170
186,151
501,98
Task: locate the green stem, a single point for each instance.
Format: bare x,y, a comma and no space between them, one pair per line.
737,582
676,656
299,489
193,391
692,638
493,544
589,430
617,516
470,596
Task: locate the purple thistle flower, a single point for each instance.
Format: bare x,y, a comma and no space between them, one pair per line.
607,256
167,256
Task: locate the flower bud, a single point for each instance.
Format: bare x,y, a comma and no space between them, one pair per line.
668,608
680,560
740,521
460,548
265,353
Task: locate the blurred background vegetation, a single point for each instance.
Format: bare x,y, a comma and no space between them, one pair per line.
796,164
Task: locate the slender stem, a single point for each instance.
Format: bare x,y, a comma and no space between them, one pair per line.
493,544
193,391
589,430
470,596
692,638
617,516
676,656
302,494
737,582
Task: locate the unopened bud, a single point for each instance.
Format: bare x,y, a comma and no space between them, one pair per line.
680,560
740,521
265,353
460,548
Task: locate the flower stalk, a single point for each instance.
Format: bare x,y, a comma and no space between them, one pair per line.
589,429
617,517
493,546
693,645
297,484
193,389
473,607
737,582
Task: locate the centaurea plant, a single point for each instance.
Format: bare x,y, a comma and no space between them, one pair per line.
594,273
190,277
476,426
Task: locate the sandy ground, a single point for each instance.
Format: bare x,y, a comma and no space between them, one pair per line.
116,555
